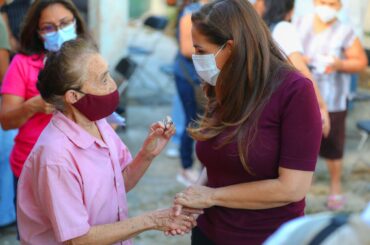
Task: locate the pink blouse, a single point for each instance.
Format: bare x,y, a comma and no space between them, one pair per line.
72,181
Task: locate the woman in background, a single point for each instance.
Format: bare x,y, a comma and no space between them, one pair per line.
187,81
278,15
48,24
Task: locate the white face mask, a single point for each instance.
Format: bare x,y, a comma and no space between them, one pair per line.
325,13
206,66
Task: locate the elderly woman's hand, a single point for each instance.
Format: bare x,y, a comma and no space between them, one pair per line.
160,134
166,221
178,210
196,196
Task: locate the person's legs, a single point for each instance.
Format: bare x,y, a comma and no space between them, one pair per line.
335,171
332,149
15,203
7,208
187,97
178,118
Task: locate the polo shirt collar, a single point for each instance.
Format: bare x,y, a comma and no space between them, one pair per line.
75,133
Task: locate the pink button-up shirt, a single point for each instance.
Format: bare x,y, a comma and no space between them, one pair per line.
70,182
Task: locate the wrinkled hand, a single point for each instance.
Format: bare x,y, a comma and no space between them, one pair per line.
158,138
38,105
196,196
179,210
191,201
325,123
335,66
166,221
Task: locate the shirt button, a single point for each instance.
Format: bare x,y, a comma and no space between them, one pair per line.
117,183
120,210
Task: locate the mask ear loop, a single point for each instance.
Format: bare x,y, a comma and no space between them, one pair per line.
78,91
222,47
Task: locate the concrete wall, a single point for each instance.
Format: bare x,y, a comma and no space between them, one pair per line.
108,22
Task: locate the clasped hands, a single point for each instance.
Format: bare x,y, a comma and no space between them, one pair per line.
191,202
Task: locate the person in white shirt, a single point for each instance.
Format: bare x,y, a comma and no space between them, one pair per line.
277,14
352,13
333,52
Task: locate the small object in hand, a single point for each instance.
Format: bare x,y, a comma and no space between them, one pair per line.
167,122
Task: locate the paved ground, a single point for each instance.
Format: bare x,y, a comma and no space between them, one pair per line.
147,103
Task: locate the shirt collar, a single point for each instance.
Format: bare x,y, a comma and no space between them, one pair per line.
76,133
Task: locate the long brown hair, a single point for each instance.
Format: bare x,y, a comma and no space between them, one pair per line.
30,40
248,78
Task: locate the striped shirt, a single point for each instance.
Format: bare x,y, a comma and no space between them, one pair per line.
320,48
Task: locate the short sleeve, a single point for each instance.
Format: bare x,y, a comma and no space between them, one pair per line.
15,80
349,37
301,129
286,36
125,157
4,38
61,197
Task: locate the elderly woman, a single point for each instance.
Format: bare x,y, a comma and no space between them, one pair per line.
78,173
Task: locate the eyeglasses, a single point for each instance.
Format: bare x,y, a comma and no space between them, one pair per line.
50,28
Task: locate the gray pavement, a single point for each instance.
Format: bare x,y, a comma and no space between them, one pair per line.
148,102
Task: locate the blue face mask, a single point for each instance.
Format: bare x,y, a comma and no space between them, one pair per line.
53,41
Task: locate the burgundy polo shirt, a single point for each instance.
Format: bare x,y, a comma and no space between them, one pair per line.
288,135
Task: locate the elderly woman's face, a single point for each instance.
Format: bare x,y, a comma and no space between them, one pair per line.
97,80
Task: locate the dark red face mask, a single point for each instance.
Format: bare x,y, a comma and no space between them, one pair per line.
96,107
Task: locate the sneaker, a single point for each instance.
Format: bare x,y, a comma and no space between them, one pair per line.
183,180
191,174
335,202
187,177
173,152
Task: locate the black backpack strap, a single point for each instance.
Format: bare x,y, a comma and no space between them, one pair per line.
336,222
